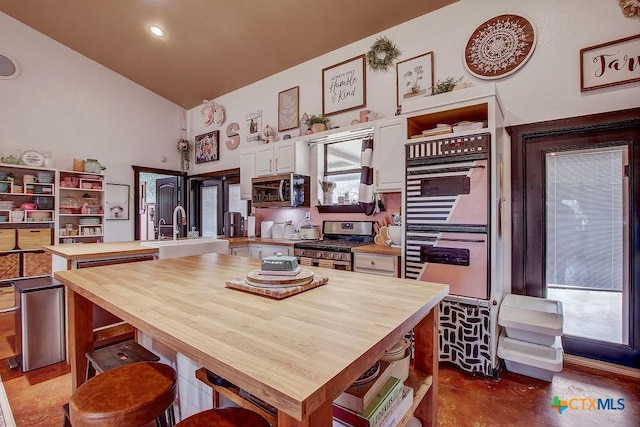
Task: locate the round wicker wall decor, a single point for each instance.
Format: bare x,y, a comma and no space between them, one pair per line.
500,46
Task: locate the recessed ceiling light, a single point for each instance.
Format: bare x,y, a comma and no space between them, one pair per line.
156,31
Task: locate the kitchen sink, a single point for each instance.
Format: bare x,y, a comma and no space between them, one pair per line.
187,247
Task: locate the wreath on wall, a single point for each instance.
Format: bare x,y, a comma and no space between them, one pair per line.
184,148
382,54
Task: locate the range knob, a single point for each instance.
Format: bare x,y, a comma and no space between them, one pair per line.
319,255
331,255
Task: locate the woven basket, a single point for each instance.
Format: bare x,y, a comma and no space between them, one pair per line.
36,264
9,266
7,239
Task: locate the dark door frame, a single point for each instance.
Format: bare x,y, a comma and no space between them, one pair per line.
196,182
528,245
136,191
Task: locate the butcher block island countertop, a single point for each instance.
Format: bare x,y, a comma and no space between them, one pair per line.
297,354
74,251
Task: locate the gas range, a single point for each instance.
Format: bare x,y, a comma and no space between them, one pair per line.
335,248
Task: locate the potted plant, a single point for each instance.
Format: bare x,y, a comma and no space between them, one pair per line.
318,123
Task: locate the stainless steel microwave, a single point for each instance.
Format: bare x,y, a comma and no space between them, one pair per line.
279,191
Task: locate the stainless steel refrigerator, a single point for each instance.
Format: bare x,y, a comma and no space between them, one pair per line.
40,330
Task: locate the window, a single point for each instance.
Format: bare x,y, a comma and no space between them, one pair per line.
342,166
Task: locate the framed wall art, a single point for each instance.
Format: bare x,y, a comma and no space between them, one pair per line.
117,200
288,112
208,147
609,64
254,125
414,78
344,86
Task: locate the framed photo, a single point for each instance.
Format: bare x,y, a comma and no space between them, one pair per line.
208,147
117,199
414,78
288,113
254,125
610,64
344,86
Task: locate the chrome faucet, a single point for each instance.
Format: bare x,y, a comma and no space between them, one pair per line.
176,226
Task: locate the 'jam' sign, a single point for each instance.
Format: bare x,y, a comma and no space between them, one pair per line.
611,63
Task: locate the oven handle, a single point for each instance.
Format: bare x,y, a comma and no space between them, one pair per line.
446,169
461,240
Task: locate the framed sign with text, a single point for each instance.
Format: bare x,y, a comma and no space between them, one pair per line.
344,86
608,64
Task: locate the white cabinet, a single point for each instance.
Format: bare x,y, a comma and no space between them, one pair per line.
381,265
247,171
388,154
239,250
270,250
291,156
259,251
264,160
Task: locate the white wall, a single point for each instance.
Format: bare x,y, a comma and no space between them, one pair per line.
68,104
546,87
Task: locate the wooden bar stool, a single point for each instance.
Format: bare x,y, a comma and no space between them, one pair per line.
131,395
224,417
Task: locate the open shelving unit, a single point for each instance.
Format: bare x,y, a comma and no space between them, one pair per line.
27,220
81,207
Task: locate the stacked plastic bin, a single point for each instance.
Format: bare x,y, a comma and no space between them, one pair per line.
530,342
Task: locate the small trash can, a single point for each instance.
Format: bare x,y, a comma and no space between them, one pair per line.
39,318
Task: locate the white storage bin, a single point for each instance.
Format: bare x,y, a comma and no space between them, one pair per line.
533,360
531,319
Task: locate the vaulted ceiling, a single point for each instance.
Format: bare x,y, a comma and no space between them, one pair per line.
211,47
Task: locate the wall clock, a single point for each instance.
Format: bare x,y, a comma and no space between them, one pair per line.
500,46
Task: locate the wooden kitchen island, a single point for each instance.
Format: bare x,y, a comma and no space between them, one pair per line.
296,354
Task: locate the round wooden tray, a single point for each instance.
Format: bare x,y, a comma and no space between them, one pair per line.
255,278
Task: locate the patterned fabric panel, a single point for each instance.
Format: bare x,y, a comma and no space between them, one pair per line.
464,337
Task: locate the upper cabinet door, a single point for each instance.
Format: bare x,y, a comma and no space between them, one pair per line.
388,154
247,171
264,160
284,157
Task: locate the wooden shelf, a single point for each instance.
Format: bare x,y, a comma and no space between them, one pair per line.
233,393
420,383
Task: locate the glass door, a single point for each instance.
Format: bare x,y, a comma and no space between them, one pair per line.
587,241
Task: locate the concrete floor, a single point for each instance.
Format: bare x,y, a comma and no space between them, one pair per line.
36,398
591,314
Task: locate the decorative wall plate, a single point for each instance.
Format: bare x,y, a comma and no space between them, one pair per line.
500,46
32,158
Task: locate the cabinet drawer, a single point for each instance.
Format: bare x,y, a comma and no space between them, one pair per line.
33,238
36,264
382,264
7,239
9,266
